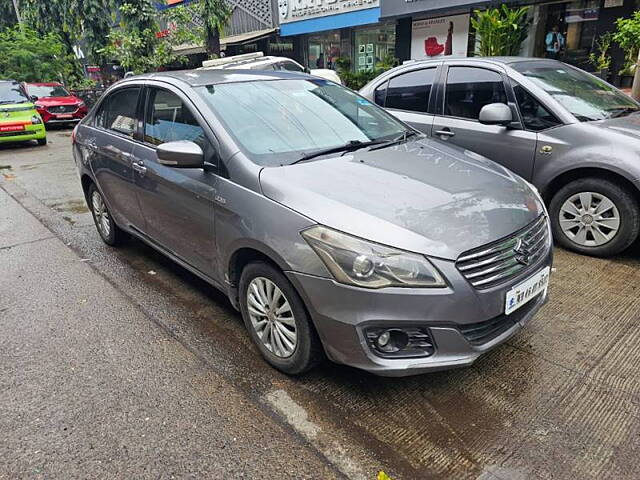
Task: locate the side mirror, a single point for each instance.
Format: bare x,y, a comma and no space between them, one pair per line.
34,98
496,114
307,70
180,154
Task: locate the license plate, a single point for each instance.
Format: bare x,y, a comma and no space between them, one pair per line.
12,128
519,295
64,115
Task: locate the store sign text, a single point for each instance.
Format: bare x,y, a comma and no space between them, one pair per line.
294,10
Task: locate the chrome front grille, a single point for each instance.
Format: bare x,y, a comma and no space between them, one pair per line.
499,262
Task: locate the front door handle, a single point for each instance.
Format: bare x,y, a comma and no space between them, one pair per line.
139,167
445,133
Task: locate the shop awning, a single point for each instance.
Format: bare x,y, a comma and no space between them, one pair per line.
331,22
231,40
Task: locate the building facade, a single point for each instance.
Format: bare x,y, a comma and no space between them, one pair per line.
429,28
324,31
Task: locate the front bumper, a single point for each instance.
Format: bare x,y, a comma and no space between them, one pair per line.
72,117
31,132
342,314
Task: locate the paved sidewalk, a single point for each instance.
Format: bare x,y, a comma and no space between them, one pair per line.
90,387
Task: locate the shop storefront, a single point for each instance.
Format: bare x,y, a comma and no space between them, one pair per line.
328,30
432,28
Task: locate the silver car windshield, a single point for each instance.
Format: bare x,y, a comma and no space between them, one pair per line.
586,97
277,121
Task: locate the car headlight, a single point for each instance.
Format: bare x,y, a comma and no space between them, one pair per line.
36,120
39,107
354,261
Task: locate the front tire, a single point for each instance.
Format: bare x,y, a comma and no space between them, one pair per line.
595,217
277,320
42,141
110,233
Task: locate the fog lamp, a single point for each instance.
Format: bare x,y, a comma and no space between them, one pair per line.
400,342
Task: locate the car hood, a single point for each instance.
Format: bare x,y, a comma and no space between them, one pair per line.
422,196
17,113
50,101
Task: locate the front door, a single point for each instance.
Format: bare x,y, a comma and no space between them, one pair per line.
467,90
111,148
177,203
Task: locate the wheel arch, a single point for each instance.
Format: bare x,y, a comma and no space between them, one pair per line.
588,172
244,254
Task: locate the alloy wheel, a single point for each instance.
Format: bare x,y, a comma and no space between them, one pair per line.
271,317
589,219
103,221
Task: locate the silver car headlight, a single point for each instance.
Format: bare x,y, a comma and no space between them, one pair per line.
354,261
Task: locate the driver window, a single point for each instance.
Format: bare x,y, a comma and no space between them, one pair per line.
469,89
168,119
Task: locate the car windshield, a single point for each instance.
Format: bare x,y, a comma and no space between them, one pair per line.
277,122
48,91
586,97
12,93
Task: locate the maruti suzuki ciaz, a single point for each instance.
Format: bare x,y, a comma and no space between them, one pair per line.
334,228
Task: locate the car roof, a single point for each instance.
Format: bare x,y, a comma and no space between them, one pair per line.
45,84
213,76
495,60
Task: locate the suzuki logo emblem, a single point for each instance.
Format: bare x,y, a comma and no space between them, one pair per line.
522,252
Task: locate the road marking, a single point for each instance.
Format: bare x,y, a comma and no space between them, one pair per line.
296,416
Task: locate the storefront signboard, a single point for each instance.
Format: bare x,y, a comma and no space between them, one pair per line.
436,37
296,10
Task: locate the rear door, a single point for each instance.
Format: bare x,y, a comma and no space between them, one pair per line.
467,88
177,203
111,141
407,96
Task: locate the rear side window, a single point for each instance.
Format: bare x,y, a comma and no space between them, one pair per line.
118,111
168,119
409,91
469,89
534,116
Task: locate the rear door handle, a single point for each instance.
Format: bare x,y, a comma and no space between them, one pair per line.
445,132
139,167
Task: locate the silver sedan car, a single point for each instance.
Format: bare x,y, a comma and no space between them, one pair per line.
572,135
335,229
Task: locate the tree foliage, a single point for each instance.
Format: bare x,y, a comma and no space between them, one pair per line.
27,56
501,30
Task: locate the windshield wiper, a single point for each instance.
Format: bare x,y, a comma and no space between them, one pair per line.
394,141
350,146
619,112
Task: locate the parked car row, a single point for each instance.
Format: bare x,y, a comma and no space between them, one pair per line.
26,109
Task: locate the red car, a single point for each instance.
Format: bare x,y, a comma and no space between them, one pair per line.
55,104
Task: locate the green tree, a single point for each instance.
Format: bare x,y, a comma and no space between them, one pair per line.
216,15
501,30
627,35
28,56
61,18
136,44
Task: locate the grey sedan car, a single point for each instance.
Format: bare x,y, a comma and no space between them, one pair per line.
333,227
572,135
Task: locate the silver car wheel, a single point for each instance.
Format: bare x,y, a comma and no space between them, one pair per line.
271,317
589,219
101,214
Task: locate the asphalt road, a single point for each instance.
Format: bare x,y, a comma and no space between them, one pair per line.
559,400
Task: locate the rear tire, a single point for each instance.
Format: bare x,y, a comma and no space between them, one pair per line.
42,141
282,331
595,216
110,233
